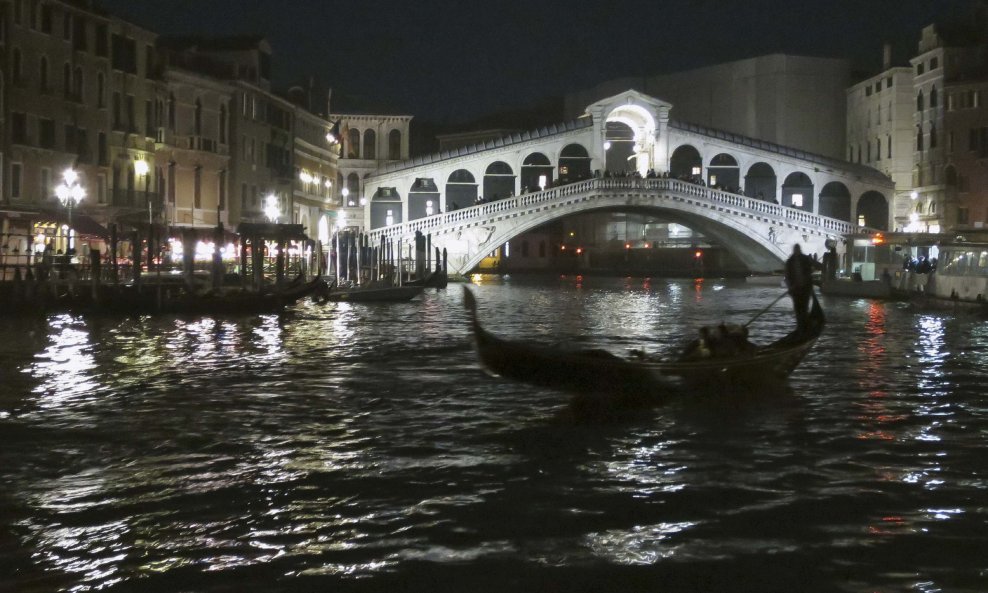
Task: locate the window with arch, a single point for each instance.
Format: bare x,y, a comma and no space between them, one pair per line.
394,145
16,72
933,135
353,144
223,118
370,144
197,120
919,138
77,86
67,80
933,97
100,90
43,75
171,111
919,101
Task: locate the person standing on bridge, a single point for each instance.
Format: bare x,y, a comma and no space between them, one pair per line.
799,279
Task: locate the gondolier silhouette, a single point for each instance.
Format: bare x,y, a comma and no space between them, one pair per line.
799,279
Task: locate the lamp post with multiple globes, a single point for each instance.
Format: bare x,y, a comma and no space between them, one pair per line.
70,193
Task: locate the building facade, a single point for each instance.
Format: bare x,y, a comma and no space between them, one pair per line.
880,129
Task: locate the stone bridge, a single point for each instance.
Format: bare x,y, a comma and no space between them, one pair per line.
760,233
753,197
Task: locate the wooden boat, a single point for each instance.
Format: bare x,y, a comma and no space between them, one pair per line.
435,279
598,371
130,300
376,294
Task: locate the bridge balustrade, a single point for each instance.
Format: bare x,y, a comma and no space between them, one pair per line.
679,188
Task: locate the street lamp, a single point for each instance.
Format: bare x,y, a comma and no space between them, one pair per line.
141,169
346,192
70,193
271,209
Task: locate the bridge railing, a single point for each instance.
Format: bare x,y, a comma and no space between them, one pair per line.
601,186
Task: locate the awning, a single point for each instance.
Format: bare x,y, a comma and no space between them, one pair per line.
83,224
270,230
87,227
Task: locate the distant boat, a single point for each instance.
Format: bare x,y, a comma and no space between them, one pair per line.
960,278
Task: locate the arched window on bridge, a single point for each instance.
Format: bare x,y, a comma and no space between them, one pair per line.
536,173
835,201
499,181
873,211
686,163
461,190
423,198
797,192
574,164
723,172
760,182
385,208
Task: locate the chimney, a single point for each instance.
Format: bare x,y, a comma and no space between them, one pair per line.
329,97
886,56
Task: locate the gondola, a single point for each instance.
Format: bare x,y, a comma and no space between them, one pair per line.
599,371
375,294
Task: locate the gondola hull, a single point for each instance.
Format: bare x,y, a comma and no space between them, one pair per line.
595,371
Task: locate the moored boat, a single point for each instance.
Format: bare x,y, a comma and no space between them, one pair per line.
598,371
960,279
372,293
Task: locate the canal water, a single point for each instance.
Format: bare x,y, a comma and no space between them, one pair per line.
361,447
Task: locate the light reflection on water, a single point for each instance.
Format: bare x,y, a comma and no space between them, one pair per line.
346,443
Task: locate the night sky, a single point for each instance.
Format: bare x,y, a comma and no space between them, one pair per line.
449,62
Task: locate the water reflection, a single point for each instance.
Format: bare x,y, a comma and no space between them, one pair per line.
65,368
348,442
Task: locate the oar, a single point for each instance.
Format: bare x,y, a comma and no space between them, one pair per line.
772,304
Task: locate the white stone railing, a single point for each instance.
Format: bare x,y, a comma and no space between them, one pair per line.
604,188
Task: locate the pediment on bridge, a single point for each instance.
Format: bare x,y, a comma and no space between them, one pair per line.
628,98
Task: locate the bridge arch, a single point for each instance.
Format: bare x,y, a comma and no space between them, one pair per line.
499,181
642,124
835,201
723,172
574,163
760,182
686,162
797,191
423,198
619,146
461,190
873,211
385,207
535,166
